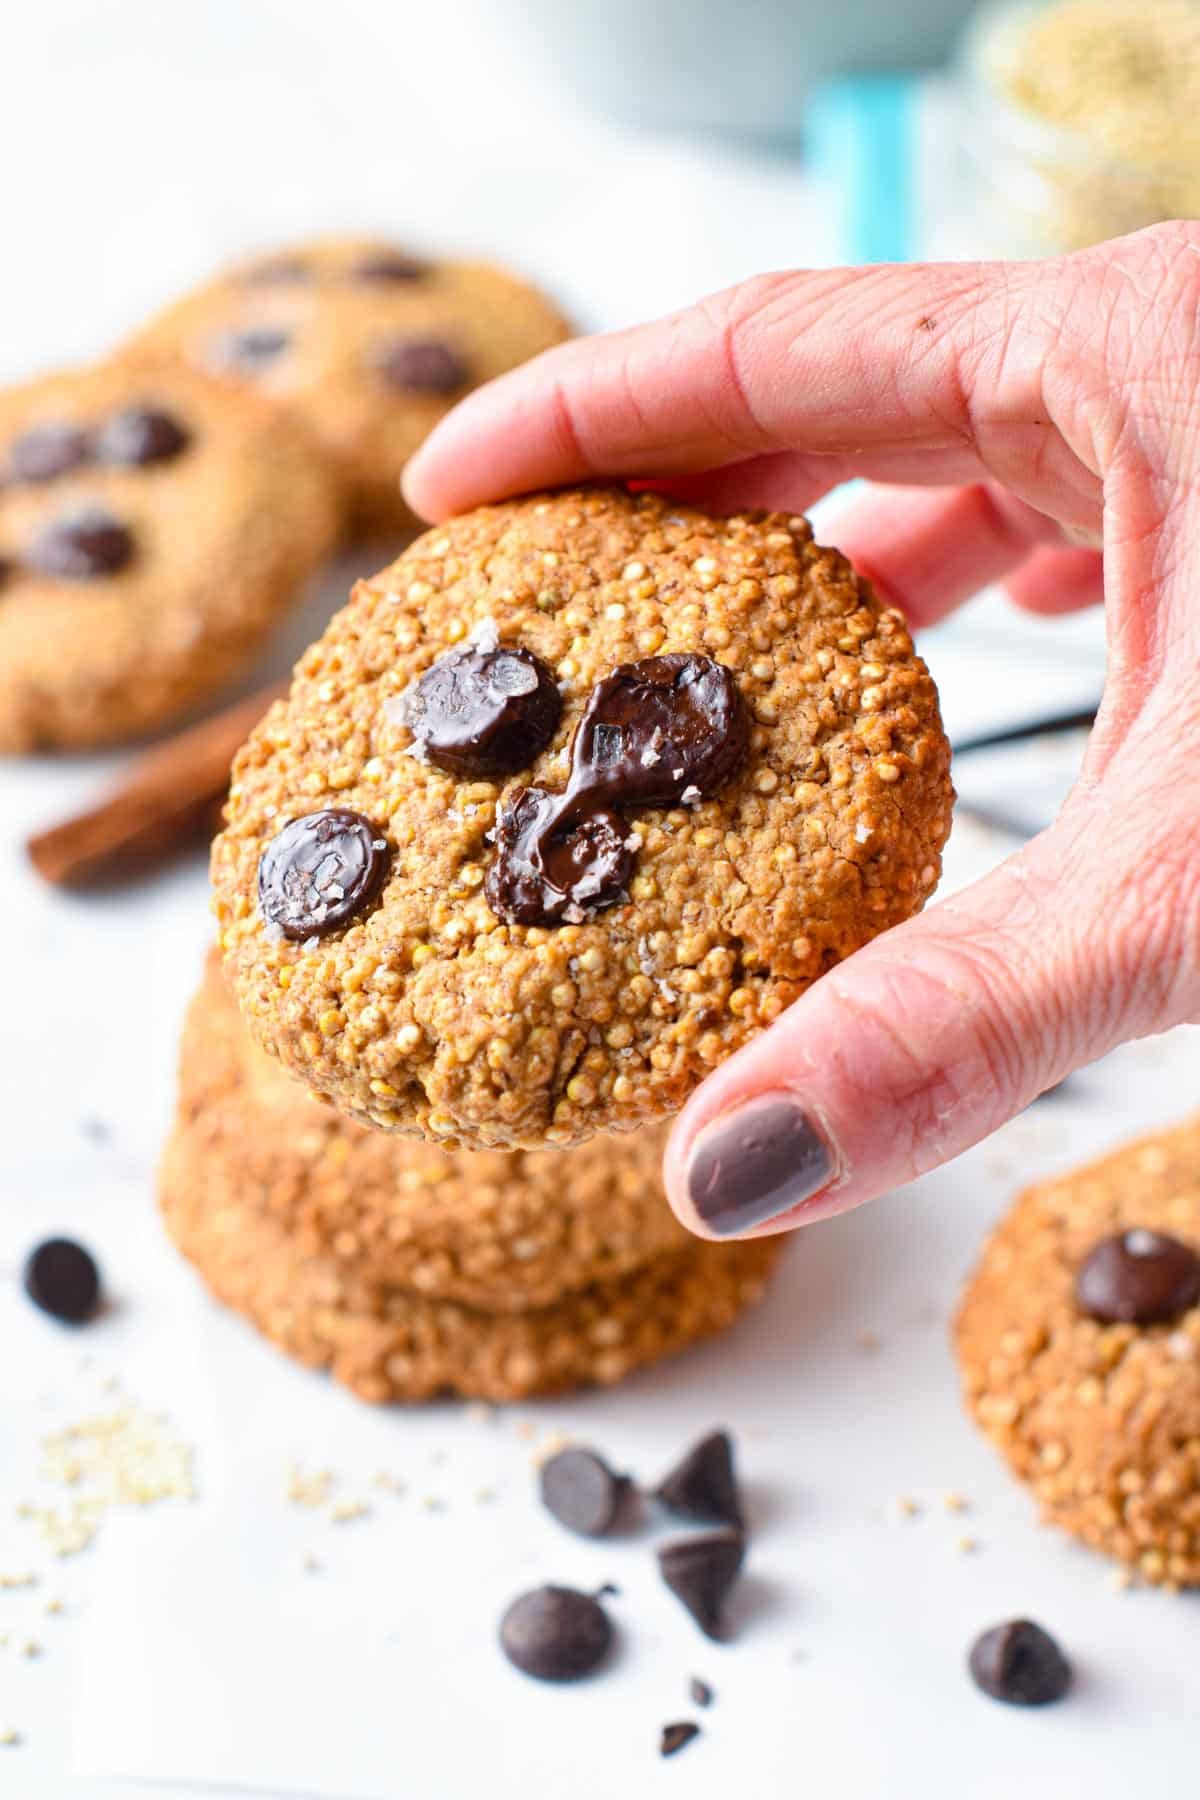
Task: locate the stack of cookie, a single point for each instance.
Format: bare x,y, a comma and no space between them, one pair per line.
566,805
160,512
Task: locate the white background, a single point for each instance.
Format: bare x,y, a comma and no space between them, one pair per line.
194,1648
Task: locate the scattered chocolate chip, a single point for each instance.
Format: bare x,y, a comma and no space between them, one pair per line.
556,1633
700,1571
389,265
653,732
549,869
250,350
277,271
319,871
81,545
674,1737
483,711
141,435
582,1492
1138,1277
61,1277
699,1692
1020,1664
704,1484
48,451
422,366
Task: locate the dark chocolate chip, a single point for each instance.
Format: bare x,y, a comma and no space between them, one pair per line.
276,271
1138,1277
48,451
484,712
551,867
388,266
250,350
668,729
582,1492
422,366
320,871
1020,1664
6,569
655,729
703,1485
700,1571
674,1737
699,1692
81,545
141,435
61,1277
556,1634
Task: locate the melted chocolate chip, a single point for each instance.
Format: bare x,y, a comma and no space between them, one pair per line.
1138,1277
484,711
278,271
653,732
389,266
48,451
422,366
582,1492
250,350
141,435
700,1572
675,1736
1020,1664
320,871
81,546
61,1277
556,1633
552,865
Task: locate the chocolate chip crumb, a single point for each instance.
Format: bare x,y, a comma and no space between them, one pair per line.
699,1692
674,1737
1020,1664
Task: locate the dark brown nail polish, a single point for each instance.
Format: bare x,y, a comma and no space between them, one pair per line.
755,1164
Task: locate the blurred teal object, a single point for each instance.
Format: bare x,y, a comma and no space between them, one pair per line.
861,149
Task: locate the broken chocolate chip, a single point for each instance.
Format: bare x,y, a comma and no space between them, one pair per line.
320,871
422,366
556,1633
700,1571
1138,1277
48,451
674,1737
81,545
582,1492
61,1277
703,1485
484,712
141,435
1020,1664
652,732
699,1692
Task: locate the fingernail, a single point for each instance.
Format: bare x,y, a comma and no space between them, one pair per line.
755,1164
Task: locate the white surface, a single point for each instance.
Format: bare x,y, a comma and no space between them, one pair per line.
194,1648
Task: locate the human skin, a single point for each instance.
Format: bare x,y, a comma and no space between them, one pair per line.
1012,414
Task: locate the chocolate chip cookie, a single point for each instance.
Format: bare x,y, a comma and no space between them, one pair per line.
1078,1338
409,1271
367,343
153,528
568,803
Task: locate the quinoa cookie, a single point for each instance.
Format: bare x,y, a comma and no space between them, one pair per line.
153,528
501,1230
1078,1338
366,342
566,805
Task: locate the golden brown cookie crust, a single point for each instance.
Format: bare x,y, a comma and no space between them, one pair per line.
225,534
1102,1421
428,1014
329,374
505,1231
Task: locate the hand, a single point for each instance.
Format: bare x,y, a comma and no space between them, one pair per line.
1030,406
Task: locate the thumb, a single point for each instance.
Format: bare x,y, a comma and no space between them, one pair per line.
929,1038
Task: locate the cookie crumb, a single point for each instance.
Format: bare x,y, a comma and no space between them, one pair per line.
907,1507
966,1545
955,1502
9,1735
343,1511
305,1489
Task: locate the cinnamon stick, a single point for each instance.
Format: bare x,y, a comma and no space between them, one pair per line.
170,797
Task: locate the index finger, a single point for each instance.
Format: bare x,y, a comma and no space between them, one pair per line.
910,357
